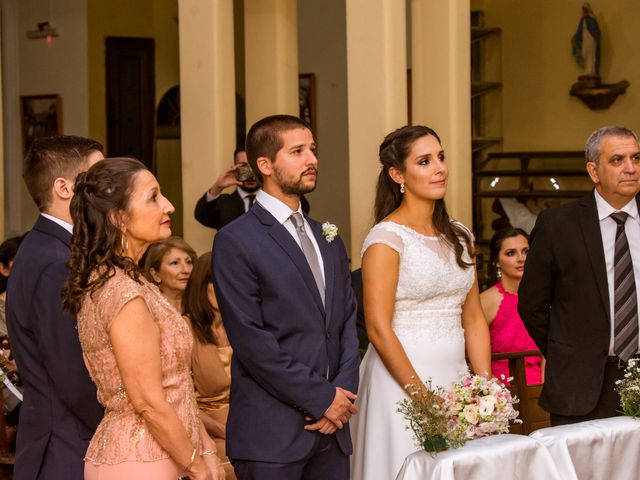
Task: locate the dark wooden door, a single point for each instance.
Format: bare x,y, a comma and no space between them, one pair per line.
130,97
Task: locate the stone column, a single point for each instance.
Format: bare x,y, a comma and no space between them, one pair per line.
271,58
441,89
207,99
377,99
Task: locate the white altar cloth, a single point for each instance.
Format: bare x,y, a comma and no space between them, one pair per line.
597,449
499,456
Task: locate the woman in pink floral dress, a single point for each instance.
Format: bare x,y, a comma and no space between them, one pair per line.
508,252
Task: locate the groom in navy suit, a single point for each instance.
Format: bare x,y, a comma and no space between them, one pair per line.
284,291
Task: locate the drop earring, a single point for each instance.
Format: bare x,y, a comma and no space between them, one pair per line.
402,188
124,243
499,273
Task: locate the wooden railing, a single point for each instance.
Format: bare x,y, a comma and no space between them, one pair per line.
532,415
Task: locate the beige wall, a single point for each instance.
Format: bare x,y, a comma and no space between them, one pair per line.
60,68
140,18
120,18
538,71
322,51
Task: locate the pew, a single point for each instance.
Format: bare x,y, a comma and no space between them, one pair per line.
533,416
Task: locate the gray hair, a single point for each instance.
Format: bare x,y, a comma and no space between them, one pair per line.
592,149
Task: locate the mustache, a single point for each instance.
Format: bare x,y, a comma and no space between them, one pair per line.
309,170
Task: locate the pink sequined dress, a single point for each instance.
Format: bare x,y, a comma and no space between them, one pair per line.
122,446
508,334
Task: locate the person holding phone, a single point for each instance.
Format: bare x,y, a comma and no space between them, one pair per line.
215,209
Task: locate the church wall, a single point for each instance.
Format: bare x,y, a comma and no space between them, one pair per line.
59,67
538,71
322,51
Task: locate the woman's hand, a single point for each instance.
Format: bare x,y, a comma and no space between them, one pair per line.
200,469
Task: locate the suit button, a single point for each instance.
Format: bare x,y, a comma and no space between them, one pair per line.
328,334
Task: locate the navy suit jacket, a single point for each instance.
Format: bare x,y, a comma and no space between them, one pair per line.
60,411
289,351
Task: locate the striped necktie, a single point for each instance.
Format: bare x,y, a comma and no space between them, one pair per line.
625,310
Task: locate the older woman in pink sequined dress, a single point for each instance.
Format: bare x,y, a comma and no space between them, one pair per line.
136,345
508,252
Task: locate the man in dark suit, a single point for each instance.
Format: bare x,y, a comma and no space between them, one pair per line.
60,411
578,295
283,285
215,209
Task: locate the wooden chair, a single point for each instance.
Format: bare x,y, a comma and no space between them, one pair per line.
533,416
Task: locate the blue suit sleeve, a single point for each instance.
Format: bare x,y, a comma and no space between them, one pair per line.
59,346
238,293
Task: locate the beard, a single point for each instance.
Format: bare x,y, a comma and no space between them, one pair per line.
295,186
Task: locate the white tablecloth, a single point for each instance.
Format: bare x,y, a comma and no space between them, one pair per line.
496,457
606,449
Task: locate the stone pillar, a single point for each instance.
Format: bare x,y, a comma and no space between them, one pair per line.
271,58
441,89
377,99
207,99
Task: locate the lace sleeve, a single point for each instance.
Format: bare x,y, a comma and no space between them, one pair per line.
116,293
386,236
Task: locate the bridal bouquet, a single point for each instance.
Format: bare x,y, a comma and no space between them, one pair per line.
479,406
629,389
424,408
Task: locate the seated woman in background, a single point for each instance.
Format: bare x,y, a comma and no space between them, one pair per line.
168,264
211,357
507,252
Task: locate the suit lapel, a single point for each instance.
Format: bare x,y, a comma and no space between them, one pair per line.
590,225
284,239
327,260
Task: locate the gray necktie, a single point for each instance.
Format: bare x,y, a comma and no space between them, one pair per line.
309,251
625,310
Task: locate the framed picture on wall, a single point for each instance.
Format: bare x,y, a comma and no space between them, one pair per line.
41,116
307,99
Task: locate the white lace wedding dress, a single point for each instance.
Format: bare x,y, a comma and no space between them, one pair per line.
427,320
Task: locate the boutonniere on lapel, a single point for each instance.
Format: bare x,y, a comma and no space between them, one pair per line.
330,231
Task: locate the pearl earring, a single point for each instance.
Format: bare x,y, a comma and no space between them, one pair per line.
402,188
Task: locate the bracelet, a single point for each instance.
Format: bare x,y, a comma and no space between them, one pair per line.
193,459
208,452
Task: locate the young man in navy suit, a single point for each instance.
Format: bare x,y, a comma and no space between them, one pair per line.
60,411
284,290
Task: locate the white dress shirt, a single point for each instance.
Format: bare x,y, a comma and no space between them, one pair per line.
67,226
282,214
608,228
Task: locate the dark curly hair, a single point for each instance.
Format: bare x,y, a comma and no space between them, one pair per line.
99,194
394,151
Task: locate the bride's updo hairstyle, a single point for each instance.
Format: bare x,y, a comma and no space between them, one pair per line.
394,151
97,242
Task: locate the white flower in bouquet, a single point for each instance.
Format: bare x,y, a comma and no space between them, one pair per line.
487,405
480,407
470,414
629,389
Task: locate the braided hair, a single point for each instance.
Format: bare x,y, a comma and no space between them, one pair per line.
393,152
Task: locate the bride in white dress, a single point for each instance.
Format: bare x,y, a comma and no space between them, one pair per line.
421,299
